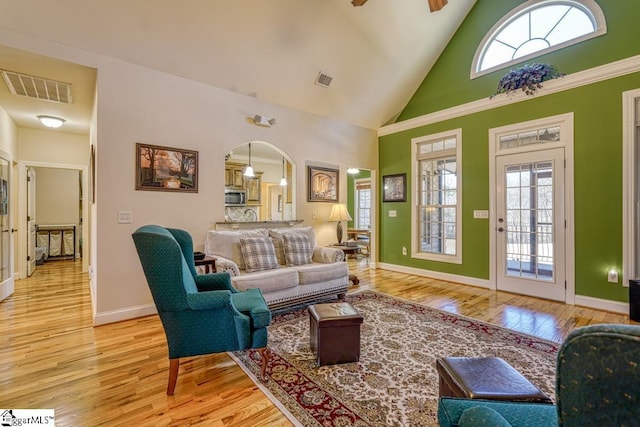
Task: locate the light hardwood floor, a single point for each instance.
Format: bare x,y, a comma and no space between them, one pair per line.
51,356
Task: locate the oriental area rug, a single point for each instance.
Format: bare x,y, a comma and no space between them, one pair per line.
395,383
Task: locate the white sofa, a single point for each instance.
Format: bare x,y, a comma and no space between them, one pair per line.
283,283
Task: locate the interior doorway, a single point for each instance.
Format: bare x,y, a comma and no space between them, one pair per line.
62,181
361,201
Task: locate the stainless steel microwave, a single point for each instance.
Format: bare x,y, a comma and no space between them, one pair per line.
234,197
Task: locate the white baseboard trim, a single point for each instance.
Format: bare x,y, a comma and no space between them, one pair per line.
602,304
465,280
581,300
5,291
123,314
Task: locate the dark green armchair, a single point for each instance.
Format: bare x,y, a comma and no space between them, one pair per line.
597,384
201,314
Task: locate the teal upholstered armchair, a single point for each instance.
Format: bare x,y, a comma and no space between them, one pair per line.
597,384
201,314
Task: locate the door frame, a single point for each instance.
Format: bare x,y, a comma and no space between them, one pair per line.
629,185
8,287
22,211
565,121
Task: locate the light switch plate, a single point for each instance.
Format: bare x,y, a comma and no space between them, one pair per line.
125,217
393,214
481,214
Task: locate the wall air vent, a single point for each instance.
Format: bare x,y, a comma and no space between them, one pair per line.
38,87
323,80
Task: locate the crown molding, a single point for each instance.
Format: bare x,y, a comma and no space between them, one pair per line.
581,78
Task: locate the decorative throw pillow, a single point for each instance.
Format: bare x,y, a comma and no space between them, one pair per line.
297,249
258,253
278,245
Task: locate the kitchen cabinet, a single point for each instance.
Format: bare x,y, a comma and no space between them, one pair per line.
254,189
234,175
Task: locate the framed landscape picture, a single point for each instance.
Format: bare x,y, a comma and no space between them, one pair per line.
322,184
166,169
394,188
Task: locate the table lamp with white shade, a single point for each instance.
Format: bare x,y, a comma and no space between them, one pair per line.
339,213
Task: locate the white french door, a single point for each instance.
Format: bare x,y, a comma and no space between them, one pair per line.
6,244
530,228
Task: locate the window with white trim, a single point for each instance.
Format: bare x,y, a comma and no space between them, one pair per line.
363,204
437,217
535,28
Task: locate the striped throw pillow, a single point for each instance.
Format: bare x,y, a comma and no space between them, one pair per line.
258,253
297,249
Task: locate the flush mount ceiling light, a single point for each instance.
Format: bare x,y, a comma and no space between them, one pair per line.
353,171
259,120
51,121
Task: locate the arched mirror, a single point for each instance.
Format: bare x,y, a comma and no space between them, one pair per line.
266,194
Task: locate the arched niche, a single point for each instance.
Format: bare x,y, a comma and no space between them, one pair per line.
266,198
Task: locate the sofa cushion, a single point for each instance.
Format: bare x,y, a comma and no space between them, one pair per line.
267,280
318,272
258,253
297,249
226,243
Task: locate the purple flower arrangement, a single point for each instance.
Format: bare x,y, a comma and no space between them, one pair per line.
529,78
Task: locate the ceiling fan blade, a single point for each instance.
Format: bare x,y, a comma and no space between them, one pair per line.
358,2
436,5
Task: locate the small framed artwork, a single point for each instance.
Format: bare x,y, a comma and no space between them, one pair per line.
394,188
166,169
323,184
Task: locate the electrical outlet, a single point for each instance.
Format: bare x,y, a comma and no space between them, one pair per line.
612,276
404,250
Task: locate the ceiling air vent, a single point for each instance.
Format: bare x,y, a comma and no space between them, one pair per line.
38,87
323,80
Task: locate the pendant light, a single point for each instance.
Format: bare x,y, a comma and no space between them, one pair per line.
248,172
283,180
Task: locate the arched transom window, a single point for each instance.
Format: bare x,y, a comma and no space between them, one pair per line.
537,27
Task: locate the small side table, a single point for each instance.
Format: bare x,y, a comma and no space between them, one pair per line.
208,262
349,250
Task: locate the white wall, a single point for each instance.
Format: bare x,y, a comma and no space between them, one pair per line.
136,104
8,134
140,105
52,147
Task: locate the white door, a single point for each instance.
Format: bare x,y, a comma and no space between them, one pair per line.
31,221
530,229
6,253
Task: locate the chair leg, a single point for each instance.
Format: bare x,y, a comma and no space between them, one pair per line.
265,354
174,364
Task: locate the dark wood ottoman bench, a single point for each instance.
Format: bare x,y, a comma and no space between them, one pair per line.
334,333
485,378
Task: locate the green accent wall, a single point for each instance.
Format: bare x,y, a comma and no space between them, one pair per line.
448,83
597,110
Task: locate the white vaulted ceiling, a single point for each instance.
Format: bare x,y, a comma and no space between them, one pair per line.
377,54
